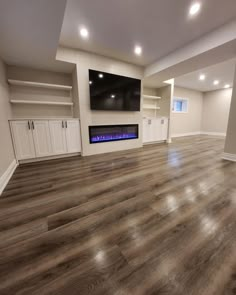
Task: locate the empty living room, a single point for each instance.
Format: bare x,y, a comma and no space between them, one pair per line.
117,147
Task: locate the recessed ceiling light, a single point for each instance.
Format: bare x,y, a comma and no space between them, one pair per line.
84,33
195,8
100,75
202,77
138,50
90,82
226,86
216,82
113,96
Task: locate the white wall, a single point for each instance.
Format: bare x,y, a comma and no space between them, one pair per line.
216,105
84,62
190,122
6,149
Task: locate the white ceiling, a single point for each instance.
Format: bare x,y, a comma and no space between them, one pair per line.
159,26
31,30
29,33
224,72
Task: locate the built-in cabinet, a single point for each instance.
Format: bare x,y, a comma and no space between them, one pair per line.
155,129
44,138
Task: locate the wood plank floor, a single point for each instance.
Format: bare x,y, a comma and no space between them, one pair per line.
155,220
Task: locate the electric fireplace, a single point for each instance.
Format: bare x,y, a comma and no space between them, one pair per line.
105,133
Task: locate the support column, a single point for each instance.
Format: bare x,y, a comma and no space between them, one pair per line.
230,141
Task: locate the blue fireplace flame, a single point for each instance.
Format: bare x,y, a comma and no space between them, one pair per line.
112,137
112,133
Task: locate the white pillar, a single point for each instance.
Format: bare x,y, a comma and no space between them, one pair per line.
230,142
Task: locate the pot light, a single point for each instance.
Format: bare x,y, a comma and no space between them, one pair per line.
90,82
202,77
194,9
216,82
84,33
226,86
138,50
113,96
100,76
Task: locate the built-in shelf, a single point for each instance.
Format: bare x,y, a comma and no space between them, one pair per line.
151,107
38,84
151,96
18,101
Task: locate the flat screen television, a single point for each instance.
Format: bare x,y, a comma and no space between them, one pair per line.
113,93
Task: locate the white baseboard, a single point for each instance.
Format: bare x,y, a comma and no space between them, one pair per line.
7,175
154,142
213,133
198,133
48,158
229,157
185,134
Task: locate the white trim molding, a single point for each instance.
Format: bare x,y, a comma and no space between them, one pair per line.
154,142
213,133
4,179
198,133
229,157
185,134
48,158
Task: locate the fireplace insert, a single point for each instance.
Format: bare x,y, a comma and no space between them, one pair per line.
105,133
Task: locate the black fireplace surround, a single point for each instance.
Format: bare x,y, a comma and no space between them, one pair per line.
106,133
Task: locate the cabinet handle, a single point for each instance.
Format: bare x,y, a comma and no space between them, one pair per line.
66,123
28,125
32,123
62,124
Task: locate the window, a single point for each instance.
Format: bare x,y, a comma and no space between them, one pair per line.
180,105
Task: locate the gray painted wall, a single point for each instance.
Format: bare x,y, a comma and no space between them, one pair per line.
190,122
6,148
216,105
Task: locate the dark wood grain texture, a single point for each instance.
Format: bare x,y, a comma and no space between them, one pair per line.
155,220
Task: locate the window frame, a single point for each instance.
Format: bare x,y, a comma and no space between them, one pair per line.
180,99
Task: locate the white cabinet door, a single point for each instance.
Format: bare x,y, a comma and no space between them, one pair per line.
156,130
164,128
149,130
148,133
145,130
73,140
58,136
41,136
23,139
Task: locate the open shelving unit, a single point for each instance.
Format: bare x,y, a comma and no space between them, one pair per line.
150,107
39,84
150,102
151,96
18,101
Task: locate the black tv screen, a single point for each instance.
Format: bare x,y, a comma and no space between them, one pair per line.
113,92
